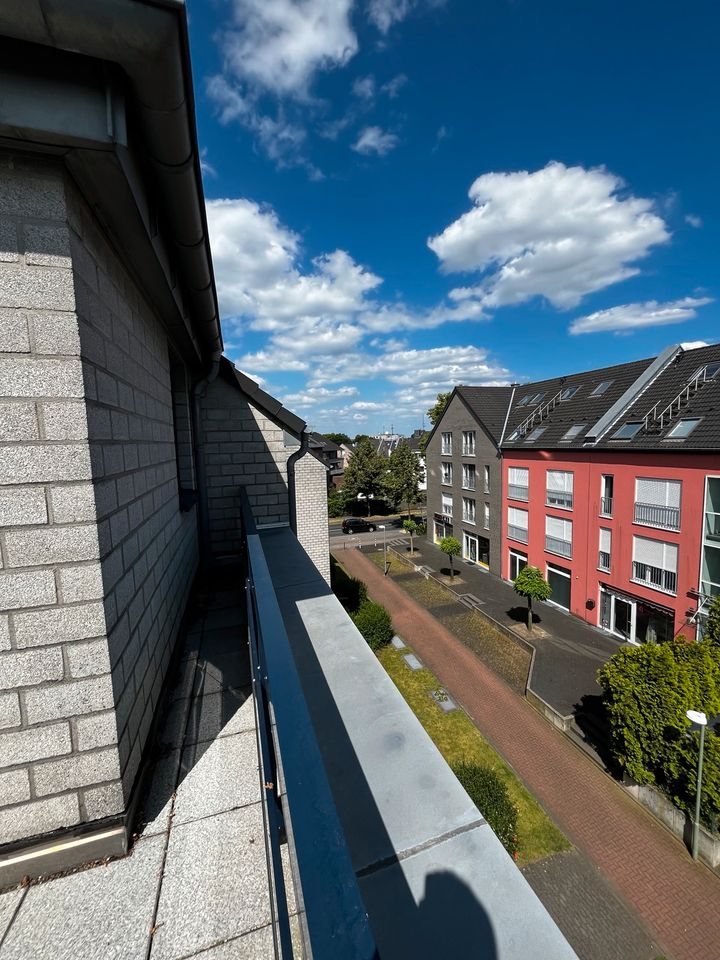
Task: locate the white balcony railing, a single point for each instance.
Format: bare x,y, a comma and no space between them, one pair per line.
561,547
517,533
606,506
652,515
558,498
655,577
516,492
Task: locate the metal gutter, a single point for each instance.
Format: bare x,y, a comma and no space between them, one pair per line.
507,415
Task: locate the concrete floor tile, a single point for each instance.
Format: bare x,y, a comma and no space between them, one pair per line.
216,776
256,945
215,884
173,728
227,617
156,806
104,913
223,640
220,714
8,905
225,671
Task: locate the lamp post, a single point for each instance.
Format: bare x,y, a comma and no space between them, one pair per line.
385,567
700,720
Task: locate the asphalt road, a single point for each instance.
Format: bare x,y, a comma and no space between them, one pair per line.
357,539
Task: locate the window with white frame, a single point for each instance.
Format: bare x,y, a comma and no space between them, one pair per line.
560,489
446,473
558,536
446,446
605,549
486,478
518,524
657,503
518,479
655,564
447,505
486,518
468,510
468,476
468,443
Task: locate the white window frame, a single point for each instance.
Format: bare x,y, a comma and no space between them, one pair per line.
446,502
468,443
668,569
566,525
446,443
486,516
446,471
604,541
563,573
516,512
466,513
661,516
467,537
519,556
468,470
564,490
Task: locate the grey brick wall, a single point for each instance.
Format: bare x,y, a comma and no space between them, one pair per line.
311,511
241,448
95,557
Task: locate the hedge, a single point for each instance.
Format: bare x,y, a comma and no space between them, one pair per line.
489,794
373,622
350,592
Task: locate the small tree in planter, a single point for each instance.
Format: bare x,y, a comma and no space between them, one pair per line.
413,529
452,547
530,583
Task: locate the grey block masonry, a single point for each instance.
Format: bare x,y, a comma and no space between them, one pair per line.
95,557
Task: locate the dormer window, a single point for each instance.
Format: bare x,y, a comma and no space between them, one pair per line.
601,388
682,429
627,431
569,392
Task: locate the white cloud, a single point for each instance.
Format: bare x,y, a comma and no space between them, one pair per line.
314,395
633,316
393,87
279,45
559,233
375,140
208,170
385,13
693,220
364,87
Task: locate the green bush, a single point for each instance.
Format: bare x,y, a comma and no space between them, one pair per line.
337,503
489,794
350,592
373,622
647,690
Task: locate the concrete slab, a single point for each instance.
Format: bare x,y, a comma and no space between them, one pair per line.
223,640
173,728
158,800
8,905
215,884
398,643
224,671
216,776
101,914
412,661
458,898
446,703
220,714
256,945
184,680
226,618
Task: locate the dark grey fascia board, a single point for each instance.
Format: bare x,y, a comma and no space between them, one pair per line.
259,398
633,392
149,42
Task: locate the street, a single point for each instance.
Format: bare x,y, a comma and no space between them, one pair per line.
392,532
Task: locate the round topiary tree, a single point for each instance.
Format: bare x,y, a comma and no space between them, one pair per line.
413,529
452,547
531,584
374,623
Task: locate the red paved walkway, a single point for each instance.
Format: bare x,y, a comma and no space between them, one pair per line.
678,900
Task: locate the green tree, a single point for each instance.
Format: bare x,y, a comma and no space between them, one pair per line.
405,472
365,472
712,624
531,584
413,529
438,408
338,502
361,436
337,438
452,547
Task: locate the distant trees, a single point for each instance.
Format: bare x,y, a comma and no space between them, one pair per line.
404,474
438,408
452,547
365,473
712,624
337,438
531,584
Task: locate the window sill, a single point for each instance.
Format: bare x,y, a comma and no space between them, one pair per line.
558,506
652,586
655,526
604,569
515,540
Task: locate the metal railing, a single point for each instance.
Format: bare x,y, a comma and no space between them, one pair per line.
558,498
652,515
516,492
606,506
676,404
712,525
656,577
603,560
518,533
337,924
538,415
555,545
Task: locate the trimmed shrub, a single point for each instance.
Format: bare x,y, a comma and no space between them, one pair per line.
373,622
489,794
350,592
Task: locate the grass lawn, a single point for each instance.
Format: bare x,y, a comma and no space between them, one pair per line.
457,738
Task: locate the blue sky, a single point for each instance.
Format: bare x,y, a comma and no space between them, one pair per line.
407,194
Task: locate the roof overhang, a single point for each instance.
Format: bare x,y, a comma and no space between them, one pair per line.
106,85
272,408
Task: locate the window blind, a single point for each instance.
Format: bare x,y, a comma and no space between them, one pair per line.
605,540
560,529
518,518
658,493
518,476
560,481
655,553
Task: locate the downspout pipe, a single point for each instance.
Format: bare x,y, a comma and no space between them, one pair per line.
198,392
292,487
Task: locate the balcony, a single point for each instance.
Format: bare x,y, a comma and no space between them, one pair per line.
556,498
606,506
518,533
603,560
562,548
651,515
516,492
712,526
655,577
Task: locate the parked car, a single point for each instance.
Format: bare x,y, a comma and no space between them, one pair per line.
356,525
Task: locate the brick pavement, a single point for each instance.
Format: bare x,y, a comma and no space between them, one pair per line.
678,900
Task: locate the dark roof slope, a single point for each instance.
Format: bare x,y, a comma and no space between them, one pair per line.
271,407
489,405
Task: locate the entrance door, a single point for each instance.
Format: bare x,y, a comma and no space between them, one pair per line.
471,548
518,561
623,617
559,580
484,552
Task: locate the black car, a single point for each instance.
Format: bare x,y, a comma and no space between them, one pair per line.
356,525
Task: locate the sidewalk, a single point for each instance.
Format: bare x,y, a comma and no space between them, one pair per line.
676,899
566,661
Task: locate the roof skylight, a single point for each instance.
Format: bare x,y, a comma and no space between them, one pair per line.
627,431
569,392
534,434
682,429
601,388
575,430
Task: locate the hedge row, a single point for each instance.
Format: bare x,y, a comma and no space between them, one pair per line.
489,794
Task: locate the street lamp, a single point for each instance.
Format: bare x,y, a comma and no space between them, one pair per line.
385,564
698,718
